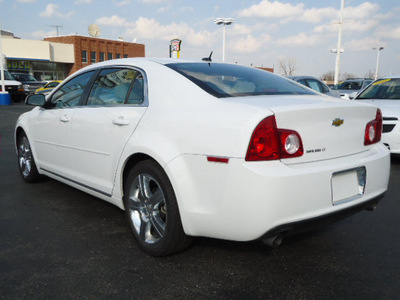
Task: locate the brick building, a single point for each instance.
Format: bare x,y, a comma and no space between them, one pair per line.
88,50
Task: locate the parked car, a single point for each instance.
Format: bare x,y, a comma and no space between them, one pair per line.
315,84
385,93
352,86
205,149
13,87
48,87
30,84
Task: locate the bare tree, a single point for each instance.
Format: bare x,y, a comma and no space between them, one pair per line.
370,74
328,76
287,66
347,76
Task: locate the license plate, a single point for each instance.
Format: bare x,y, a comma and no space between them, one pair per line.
348,185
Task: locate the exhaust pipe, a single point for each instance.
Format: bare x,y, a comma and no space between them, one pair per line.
274,241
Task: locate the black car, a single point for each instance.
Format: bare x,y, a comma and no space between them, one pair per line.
29,83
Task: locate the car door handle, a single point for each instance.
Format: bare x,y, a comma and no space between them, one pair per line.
120,121
64,119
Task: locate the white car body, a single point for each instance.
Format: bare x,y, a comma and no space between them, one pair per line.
180,126
391,118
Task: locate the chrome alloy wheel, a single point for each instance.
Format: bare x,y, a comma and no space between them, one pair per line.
147,208
25,156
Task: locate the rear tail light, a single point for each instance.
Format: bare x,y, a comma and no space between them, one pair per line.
373,130
270,143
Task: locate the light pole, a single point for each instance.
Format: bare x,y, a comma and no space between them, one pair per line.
223,21
377,61
338,49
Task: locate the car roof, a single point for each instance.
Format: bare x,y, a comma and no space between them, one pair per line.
303,77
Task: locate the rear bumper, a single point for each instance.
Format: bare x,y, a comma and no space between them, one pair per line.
392,139
244,201
293,228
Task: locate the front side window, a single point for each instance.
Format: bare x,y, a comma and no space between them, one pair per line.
117,86
225,80
71,92
388,89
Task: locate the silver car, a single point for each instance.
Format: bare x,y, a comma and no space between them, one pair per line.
315,84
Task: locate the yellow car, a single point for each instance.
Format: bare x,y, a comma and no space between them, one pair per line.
48,87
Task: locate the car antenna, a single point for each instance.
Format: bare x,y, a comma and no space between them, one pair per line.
208,58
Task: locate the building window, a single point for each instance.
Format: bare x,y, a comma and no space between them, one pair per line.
102,56
93,56
84,56
125,55
109,56
118,55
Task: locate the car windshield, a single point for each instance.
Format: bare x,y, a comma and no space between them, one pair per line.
349,85
26,77
225,80
382,89
8,76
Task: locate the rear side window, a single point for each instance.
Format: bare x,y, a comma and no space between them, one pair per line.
225,80
117,86
71,92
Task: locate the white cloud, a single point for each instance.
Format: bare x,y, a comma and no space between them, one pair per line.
389,32
123,3
79,2
163,9
186,9
153,1
41,34
317,15
114,21
52,11
250,44
301,39
240,29
274,9
363,44
348,27
26,1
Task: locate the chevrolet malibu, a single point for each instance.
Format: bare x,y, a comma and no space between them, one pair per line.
205,149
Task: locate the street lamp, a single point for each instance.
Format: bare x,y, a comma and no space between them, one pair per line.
339,48
377,61
223,21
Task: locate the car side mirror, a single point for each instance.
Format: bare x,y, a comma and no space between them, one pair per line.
36,99
353,95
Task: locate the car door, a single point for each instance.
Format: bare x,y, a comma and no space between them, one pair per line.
101,128
50,128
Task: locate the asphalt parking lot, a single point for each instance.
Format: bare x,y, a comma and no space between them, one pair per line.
58,242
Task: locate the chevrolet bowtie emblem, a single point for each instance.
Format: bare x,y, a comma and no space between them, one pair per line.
337,122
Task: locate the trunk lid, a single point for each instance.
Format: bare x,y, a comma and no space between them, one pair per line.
329,128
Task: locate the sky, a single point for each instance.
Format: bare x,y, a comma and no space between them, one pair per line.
264,32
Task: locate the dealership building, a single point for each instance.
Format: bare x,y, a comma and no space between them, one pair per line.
55,58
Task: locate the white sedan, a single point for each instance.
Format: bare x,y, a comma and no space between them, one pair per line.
205,149
385,93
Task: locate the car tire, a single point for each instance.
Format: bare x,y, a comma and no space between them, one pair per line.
26,162
152,210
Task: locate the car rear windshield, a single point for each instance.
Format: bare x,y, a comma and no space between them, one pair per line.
226,80
382,89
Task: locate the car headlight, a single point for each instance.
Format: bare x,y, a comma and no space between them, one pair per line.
26,87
